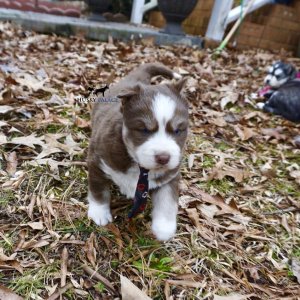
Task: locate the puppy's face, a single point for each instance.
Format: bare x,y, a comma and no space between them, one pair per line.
155,125
279,73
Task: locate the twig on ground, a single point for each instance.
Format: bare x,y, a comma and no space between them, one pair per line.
60,292
282,211
99,277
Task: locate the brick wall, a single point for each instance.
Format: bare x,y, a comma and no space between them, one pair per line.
270,27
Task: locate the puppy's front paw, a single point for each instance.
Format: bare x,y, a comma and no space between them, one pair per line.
260,105
163,229
100,213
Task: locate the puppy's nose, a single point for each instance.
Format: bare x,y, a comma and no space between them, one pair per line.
162,158
268,81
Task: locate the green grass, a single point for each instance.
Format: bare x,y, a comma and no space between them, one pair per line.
223,186
53,128
6,196
155,264
7,243
99,287
208,162
32,282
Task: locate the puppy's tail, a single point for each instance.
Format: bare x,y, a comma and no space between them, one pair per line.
145,72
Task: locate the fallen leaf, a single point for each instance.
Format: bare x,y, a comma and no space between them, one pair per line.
32,83
130,292
81,123
3,257
3,139
11,265
274,132
208,211
36,225
230,97
296,268
191,161
233,296
219,121
35,244
296,174
194,216
8,294
12,163
29,141
5,109
245,133
64,267
187,283
216,200
90,250
118,237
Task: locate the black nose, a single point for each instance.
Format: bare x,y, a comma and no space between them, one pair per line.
268,81
162,158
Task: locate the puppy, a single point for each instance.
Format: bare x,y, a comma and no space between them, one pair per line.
280,73
146,128
284,95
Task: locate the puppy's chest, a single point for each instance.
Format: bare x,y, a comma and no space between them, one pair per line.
127,181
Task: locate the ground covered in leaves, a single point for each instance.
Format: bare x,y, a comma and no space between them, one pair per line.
238,233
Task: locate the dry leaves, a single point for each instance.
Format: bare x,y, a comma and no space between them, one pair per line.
130,292
238,221
8,294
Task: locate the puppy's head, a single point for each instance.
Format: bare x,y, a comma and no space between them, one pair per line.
279,73
155,124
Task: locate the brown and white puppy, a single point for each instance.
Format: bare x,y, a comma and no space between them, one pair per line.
147,127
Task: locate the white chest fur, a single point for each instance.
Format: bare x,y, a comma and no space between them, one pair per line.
127,181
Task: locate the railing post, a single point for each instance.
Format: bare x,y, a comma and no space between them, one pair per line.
137,11
217,26
139,8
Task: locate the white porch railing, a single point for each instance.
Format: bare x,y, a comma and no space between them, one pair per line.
139,8
221,16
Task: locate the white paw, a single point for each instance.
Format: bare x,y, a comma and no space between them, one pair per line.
260,105
100,213
254,96
163,229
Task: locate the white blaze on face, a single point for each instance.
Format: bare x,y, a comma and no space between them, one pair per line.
271,80
163,108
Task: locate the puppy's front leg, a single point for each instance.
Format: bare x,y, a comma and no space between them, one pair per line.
165,207
98,197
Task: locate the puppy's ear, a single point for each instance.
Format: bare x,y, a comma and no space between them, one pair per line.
290,70
179,86
128,93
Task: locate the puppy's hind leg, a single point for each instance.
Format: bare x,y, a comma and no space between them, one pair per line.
99,197
165,207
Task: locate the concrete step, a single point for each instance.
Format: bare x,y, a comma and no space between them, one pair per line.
67,26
